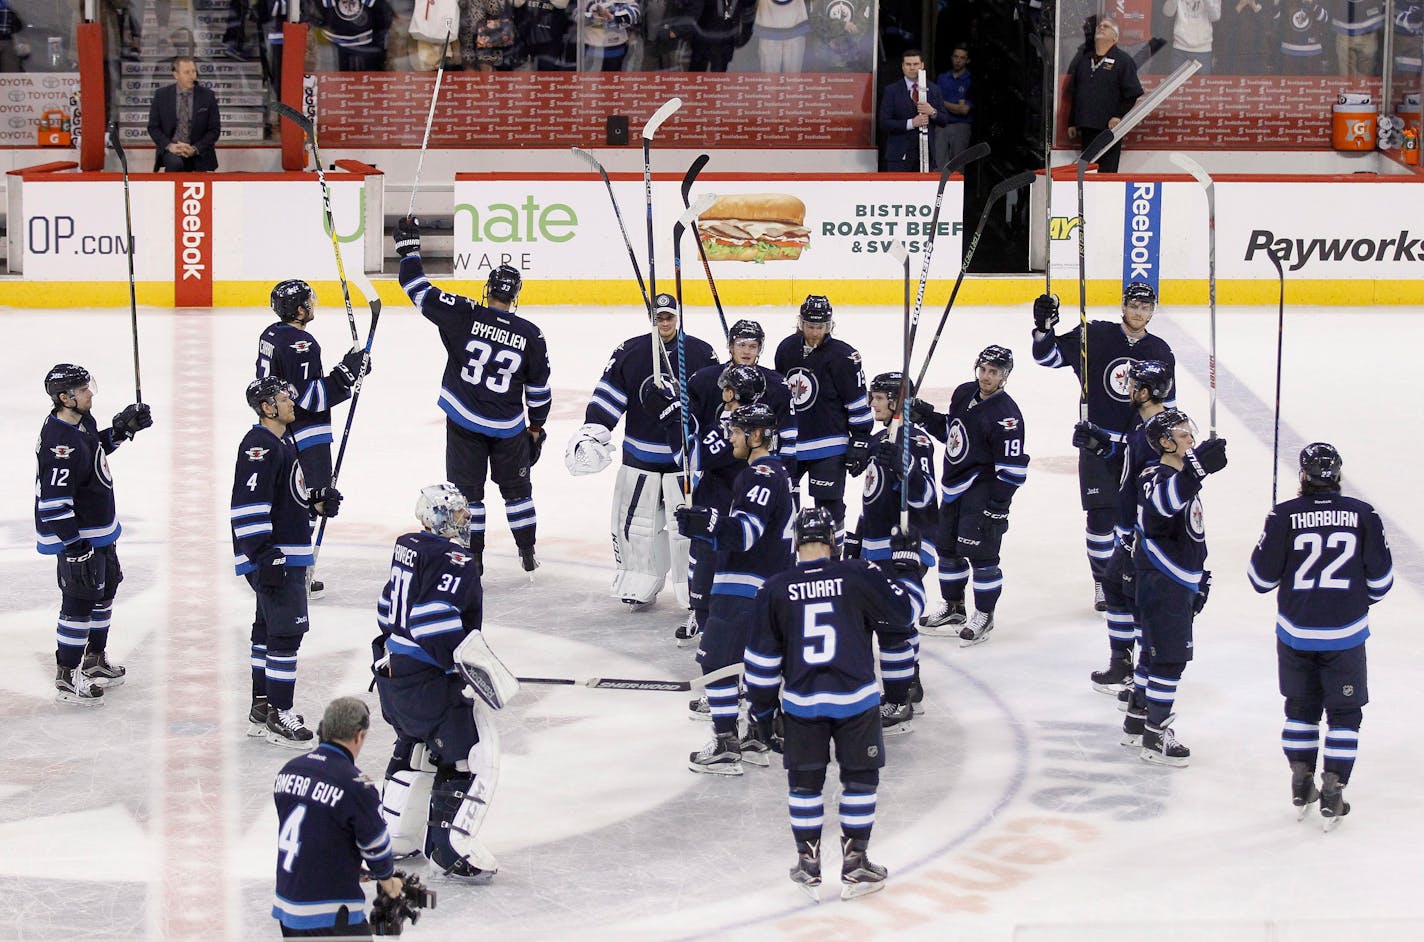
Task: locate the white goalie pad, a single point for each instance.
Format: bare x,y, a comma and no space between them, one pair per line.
488,679
640,539
589,450
484,770
405,803
679,546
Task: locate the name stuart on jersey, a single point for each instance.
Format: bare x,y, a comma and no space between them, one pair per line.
498,335
820,589
290,783
1325,518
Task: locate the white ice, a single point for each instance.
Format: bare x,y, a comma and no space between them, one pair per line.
1009,813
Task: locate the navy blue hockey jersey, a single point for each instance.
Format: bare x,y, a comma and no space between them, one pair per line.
1327,556
1137,456
705,402
329,822
646,441
880,507
1170,524
432,601
754,540
496,362
74,491
269,502
288,351
828,391
981,437
1110,353
811,638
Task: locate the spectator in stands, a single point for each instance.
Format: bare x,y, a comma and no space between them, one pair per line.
1191,31
902,115
488,40
357,28
399,46
544,29
184,122
955,89
720,27
781,28
10,25
607,25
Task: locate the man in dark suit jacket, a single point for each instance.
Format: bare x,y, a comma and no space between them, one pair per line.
901,117
184,145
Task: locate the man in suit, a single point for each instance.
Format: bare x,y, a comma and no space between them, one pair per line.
902,115
184,122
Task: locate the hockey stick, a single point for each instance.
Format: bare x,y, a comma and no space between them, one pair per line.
309,129
1000,190
1202,177
429,120
688,218
951,167
902,255
632,256
1280,334
649,130
1099,144
118,146
924,131
618,683
1145,106
1041,41
687,179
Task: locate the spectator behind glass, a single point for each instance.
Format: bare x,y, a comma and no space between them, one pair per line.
400,48
606,28
720,28
357,28
1191,31
954,87
544,30
10,24
184,122
488,41
781,29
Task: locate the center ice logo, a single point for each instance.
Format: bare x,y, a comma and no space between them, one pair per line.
958,444
803,386
1115,378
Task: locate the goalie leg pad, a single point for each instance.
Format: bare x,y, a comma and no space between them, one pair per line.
410,777
483,769
635,523
679,547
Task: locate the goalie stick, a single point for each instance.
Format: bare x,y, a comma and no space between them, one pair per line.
650,130
621,683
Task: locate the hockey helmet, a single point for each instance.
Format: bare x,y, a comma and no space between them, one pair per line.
995,355
816,309
504,284
747,383
1320,464
890,384
755,415
1160,426
746,330
443,510
65,378
815,525
267,389
1153,376
1139,291
290,296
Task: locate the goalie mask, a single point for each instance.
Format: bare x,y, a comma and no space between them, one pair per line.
443,510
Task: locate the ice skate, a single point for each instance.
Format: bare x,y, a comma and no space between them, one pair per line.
527,560
315,587
96,667
74,687
895,718
1303,790
1333,805
633,605
755,750
858,875
285,728
1160,746
1124,698
257,717
1100,601
807,872
688,631
462,871
944,621
977,631
1132,728
699,709
1117,677
721,756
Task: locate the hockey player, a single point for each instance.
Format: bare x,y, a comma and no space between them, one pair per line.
329,832
446,756
744,343
753,543
1327,558
75,522
984,466
497,363
1172,584
286,350
1149,386
650,482
1111,347
832,410
811,654
272,547
883,465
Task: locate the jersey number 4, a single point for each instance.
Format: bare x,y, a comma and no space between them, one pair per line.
1315,545
289,838
496,380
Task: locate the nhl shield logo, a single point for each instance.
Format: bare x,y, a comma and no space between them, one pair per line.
803,386
957,445
1116,380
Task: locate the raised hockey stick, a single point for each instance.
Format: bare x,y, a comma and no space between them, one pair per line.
1096,146
429,119
650,130
1000,190
1280,334
618,683
1145,106
902,255
118,146
593,162
1202,177
952,166
309,129
1042,41
687,180
688,218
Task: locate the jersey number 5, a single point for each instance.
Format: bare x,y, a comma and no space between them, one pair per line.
820,637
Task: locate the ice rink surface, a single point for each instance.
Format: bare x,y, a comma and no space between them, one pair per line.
1009,813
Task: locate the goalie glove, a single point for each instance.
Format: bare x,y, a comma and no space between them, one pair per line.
587,452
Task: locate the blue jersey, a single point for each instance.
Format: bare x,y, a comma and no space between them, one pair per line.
827,388
754,540
270,512
715,467
984,439
880,508
811,638
646,441
432,600
1328,559
287,351
1170,525
74,491
1137,456
1110,353
329,822
705,401
496,362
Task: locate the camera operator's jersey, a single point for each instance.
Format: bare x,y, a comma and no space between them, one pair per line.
827,388
269,509
496,361
880,509
1171,526
811,638
74,491
754,541
983,438
329,824
432,600
1110,353
647,442
289,352
1328,560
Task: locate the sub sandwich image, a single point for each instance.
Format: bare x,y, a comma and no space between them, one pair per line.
754,227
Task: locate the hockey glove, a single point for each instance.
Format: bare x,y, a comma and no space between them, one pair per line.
1094,440
1203,590
890,456
996,518
661,400
131,421
766,730
536,444
697,522
272,570
850,546
1045,313
326,501
353,366
1206,458
905,551
83,566
857,454
921,412
407,236
1127,544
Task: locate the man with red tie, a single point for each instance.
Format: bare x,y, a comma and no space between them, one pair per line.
902,115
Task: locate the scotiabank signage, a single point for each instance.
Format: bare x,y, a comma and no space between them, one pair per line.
193,244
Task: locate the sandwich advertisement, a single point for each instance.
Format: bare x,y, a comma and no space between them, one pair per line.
786,229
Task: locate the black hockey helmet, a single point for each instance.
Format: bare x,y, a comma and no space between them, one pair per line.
753,416
995,355
747,383
290,296
504,284
815,525
1153,376
1139,291
1160,426
266,389
65,378
664,303
1320,464
746,330
889,383
816,309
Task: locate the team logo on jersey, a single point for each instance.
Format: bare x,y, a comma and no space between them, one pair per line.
1009,424
1116,380
957,445
874,481
1196,521
302,346
101,468
1348,690
256,454
804,387
459,558
763,469
62,451
298,483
